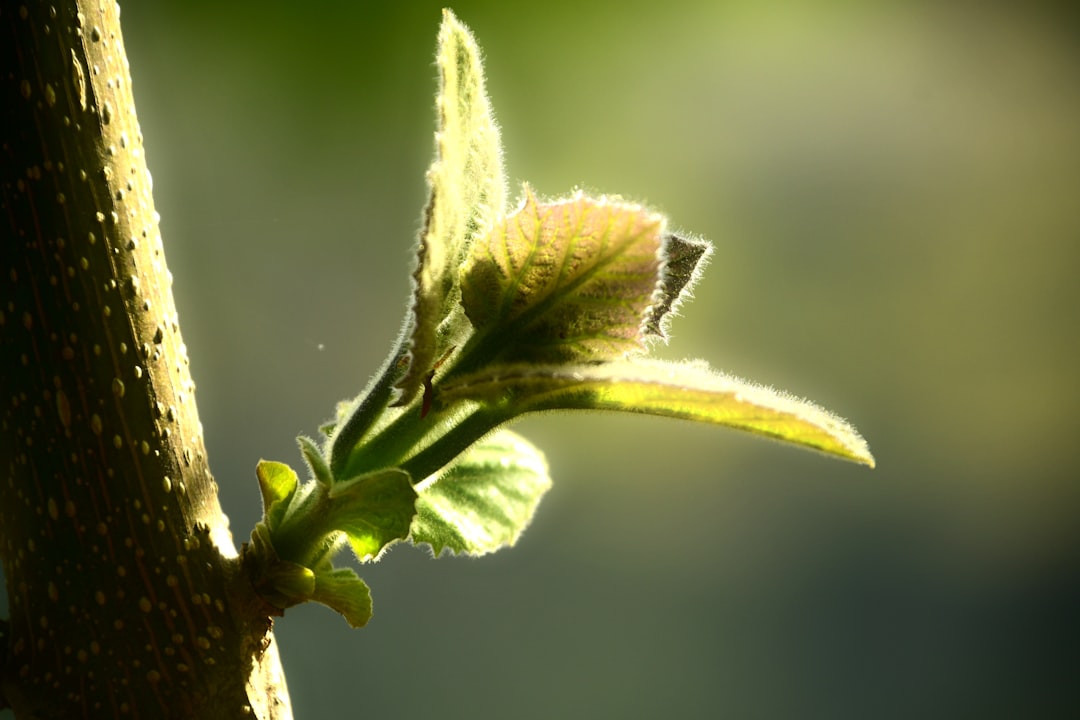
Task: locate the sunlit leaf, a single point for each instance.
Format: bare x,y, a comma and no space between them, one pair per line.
565,281
485,500
467,194
684,259
690,391
373,511
277,483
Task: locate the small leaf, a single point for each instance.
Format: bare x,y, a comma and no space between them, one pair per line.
373,511
315,460
684,259
277,483
485,500
467,193
691,391
342,590
566,281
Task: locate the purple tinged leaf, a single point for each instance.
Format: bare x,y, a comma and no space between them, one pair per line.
567,281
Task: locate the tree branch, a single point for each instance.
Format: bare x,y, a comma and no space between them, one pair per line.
125,591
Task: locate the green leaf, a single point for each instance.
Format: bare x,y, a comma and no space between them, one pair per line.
564,282
467,194
315,460
485,500
373,511
684,259
277,483
342,590
691,391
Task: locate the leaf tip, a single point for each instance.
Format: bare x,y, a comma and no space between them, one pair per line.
862,455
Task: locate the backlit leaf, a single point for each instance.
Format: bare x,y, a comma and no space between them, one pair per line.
467,194
485,500
564,282
691,391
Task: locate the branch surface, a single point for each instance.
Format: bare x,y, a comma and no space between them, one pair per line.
124,588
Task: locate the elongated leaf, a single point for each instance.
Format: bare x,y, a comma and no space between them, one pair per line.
684,259
485,500
564,282
690,391
374,511
468,191
344,591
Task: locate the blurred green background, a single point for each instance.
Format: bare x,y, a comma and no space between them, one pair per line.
894,193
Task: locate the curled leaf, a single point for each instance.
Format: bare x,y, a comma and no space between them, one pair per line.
277,483
342,590
684,259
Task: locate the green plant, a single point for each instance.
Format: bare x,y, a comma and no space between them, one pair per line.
549,306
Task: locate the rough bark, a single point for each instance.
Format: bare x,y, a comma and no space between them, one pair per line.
125,591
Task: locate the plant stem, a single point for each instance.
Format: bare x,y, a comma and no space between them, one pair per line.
453,443
393,443
373,402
